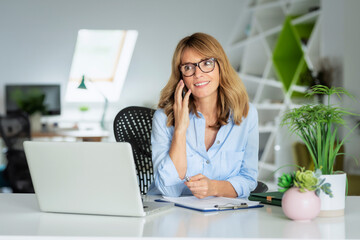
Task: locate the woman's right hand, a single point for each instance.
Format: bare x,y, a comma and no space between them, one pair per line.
181,108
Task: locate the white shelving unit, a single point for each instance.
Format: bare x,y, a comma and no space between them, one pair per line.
252,47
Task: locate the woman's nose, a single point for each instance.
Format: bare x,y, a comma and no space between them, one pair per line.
198,72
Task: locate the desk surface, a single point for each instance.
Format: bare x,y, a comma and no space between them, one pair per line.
20,216
90,135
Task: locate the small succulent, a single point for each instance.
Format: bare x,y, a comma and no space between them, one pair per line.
305,180
286,181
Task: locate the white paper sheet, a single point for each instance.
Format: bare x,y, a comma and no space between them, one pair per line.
209,203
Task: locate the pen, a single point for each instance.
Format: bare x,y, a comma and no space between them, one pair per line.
223,207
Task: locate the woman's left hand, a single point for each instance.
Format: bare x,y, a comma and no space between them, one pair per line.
201,186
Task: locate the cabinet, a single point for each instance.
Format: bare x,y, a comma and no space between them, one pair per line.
273,43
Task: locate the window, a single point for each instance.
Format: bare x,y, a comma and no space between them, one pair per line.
103,57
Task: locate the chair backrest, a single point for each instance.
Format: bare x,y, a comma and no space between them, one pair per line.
15,129
260,188
133,125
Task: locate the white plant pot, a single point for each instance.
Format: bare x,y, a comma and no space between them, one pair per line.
35,122
335,206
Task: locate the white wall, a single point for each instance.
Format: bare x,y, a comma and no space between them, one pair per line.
351,78
38,39
340,43
332,35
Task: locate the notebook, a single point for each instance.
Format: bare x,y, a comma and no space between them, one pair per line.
87,178
272,198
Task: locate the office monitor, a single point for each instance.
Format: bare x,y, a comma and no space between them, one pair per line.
51,91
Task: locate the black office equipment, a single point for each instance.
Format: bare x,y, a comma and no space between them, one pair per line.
134,125
51,91
14,130
272,198
260,188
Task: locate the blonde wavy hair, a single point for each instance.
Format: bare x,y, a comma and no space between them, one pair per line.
232,95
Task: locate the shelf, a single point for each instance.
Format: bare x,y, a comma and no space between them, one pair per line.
275,30
258,80
269,32
264,4
271,40
277,41
270,95
307,18
302,7
313,48
273,82
268,116
251,88
267,129
269,106
268,18
244,27
299,89
264,138
251,78
267,166
254,59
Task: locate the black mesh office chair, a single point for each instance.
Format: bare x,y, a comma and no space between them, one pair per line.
133,125
14,130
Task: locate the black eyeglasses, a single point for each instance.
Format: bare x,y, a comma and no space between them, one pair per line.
206,66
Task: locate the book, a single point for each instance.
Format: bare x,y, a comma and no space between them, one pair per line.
272,198
212,203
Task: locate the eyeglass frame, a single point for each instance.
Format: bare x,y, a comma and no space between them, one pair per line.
197,65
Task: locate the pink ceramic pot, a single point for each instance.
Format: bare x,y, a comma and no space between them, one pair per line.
300,206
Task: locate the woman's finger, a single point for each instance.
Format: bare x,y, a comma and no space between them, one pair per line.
197,177
186,99
178,92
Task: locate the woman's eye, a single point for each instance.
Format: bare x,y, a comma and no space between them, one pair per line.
187,67
208,63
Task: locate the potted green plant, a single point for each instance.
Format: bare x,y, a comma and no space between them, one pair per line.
302,189
31,102
317,126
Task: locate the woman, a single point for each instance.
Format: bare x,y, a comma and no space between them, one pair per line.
205,133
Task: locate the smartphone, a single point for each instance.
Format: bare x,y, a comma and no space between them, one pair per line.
184,91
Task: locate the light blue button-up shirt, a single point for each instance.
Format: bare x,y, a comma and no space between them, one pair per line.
232,157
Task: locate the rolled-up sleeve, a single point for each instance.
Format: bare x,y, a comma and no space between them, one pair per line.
166,177
246,179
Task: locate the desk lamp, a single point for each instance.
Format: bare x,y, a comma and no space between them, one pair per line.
106,101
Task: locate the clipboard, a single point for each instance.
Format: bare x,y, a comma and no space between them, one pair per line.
272,198
211,204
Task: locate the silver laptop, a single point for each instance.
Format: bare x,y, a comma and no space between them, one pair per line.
87,178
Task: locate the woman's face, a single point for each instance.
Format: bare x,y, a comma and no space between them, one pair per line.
202,85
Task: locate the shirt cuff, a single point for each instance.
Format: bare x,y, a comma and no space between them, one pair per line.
242,186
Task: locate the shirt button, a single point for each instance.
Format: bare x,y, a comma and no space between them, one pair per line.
218,141
208,161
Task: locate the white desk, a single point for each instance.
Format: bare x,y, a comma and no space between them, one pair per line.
20,218
83,135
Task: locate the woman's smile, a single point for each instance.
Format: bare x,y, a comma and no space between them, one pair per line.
201,84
